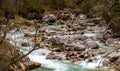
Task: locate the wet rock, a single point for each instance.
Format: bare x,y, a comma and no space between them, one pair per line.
25,44
21,66
33,65
42,30
106,62
82,22
69,25
73,60
59,44
57,49
81,56
68,58
45,18
64,15
102,51
76,28
107,35
118,69
113,42
90,60
30,28
59,58
50,56
94,20
86,56
72,16
113,62
69,54
113,59
50,18
109,41
89,43
60,22
28,35
69,49
82,16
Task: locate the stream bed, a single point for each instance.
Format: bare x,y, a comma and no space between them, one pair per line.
58,65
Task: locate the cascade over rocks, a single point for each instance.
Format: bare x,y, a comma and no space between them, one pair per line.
70,41
75,40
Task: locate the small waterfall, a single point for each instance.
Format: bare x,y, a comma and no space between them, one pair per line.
51,65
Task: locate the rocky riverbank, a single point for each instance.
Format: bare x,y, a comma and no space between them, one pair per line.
9,60
69,36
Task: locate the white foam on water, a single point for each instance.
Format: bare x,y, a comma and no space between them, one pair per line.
17,38
89,35
37,56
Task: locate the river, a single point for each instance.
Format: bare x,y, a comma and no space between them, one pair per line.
55,65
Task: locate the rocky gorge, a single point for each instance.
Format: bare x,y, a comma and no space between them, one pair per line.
66,36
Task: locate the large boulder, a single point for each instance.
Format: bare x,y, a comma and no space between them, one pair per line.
49,18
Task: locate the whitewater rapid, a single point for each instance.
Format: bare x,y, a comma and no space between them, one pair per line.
40,55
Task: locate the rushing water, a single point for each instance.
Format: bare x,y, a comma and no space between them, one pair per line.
53,65
48,65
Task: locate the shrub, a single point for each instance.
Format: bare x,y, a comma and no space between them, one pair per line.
86,6
33,4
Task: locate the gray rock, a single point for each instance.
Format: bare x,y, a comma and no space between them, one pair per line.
106,62
33,65
50,18
89,43
64,15
82,16
25,44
